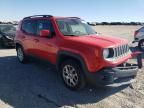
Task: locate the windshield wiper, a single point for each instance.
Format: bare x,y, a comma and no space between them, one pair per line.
70,35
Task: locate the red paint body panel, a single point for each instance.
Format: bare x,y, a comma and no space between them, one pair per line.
90,48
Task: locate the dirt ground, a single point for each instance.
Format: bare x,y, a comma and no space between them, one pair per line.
126,32
38,85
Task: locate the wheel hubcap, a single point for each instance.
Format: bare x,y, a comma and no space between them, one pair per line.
20,54
70,75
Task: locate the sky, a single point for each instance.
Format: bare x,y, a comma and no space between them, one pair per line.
89,10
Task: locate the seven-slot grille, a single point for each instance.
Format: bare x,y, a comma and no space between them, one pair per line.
121,51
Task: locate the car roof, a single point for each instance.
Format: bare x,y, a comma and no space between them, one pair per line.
47,16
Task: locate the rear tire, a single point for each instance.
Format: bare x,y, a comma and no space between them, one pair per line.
21,55
72,75
141,45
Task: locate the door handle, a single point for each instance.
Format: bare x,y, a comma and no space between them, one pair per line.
36,40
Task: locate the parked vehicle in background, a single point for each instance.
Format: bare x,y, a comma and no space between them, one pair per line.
79,54
91,23
139,37
7,34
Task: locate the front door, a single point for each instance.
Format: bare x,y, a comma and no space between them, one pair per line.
45,47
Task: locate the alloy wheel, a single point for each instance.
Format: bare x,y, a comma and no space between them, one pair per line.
70,75
20,54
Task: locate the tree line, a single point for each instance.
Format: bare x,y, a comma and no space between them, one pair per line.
115,23
92,23
13,22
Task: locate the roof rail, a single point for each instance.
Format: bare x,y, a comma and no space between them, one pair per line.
37,16
74,17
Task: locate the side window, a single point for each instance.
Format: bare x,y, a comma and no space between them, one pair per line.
29,26
63,27
45,25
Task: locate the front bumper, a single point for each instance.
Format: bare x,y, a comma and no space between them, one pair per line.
9,42
120,75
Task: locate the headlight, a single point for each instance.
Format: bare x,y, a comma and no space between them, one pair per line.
105,53
9,37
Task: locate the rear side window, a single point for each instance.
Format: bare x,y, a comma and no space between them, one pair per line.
29,26
44,25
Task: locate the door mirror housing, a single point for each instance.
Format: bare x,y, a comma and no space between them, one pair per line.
45,33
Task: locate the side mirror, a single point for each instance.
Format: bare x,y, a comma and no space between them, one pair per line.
45,33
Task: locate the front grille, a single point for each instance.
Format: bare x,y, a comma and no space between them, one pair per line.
121,51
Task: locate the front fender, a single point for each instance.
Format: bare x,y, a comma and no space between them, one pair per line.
73,55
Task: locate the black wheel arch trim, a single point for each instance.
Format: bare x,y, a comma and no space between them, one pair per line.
73,55
18,42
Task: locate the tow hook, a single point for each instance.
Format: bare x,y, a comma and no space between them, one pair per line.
139,61
138,55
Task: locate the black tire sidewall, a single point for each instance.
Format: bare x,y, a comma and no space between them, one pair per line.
24,56
139,44
81,79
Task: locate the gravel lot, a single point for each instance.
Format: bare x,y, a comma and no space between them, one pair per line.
38,85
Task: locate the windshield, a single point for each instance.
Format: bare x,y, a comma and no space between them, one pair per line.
7,29
141,29
74,27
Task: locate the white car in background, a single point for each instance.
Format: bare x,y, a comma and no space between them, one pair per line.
139,37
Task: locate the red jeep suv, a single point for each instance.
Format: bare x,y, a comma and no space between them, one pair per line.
79,54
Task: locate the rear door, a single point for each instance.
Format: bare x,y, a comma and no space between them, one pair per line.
29,32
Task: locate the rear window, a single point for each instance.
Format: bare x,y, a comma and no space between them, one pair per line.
29,26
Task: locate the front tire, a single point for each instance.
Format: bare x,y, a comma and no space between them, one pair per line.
72,75
141,45
21,55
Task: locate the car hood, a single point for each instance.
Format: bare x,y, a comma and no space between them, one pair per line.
12,34
99,41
